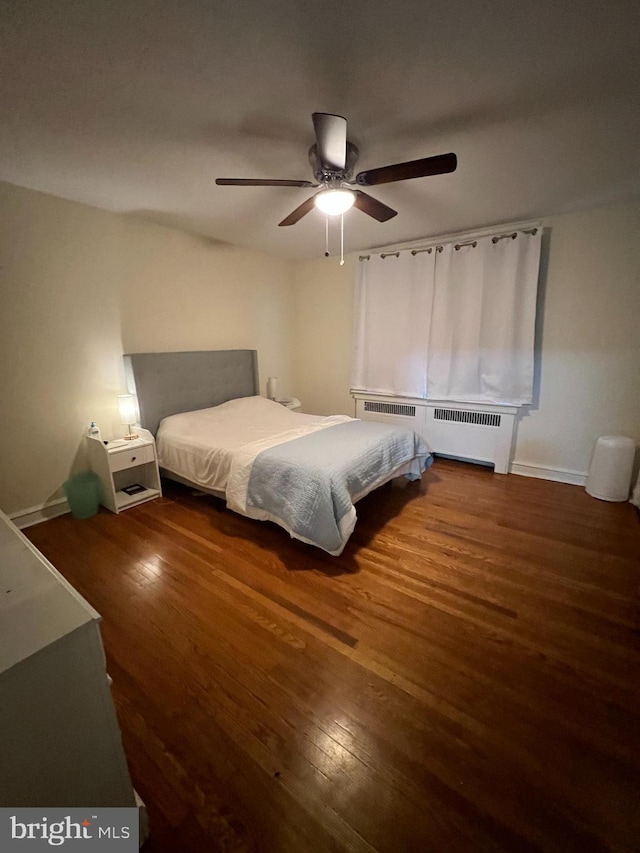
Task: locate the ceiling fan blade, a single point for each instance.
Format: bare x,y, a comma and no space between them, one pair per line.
372,207
260,182
331,136
438,165
299,212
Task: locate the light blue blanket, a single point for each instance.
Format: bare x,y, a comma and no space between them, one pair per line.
310,484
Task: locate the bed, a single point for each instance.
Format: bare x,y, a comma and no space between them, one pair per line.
304,472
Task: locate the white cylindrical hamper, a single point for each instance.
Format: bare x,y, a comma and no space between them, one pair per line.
611,467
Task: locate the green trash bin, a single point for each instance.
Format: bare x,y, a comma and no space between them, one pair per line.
83,494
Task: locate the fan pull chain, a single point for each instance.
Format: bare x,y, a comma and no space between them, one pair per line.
327,253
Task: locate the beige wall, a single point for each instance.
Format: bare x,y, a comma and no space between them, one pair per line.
80,285
184,292
324,314
590,360
59,338
589,364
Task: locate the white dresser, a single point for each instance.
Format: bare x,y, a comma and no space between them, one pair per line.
60,744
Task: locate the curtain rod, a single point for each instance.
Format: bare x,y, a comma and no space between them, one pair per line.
512,236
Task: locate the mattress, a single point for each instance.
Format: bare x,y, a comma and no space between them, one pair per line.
303,472
200,446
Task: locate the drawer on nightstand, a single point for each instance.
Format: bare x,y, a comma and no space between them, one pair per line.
130,457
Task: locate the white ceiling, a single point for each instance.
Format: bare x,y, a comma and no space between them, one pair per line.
138,105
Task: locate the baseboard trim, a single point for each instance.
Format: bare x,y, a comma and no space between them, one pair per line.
52,509
40,512
558,475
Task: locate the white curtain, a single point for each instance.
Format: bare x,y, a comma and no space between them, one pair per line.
393,296
457,324
483,321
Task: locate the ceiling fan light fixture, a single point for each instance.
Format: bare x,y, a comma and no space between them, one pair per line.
334,202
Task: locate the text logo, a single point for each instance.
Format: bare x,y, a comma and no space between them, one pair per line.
110,829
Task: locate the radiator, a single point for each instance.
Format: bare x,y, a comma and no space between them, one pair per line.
475,432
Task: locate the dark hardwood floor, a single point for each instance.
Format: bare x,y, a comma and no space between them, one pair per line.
463,677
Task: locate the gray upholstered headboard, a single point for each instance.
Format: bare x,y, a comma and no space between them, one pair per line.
167,383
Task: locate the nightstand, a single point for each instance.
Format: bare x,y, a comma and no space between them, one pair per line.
120,466
289,403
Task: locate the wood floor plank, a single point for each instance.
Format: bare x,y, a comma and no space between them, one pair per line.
463,677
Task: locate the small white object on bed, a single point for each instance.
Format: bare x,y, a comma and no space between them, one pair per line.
270,463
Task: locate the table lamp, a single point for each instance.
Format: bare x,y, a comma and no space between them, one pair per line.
128,413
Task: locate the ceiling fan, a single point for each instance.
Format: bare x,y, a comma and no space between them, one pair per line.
333,158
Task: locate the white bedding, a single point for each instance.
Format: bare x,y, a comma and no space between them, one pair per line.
303,472
200,446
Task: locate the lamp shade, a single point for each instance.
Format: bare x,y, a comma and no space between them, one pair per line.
272,387
334,202
128,409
